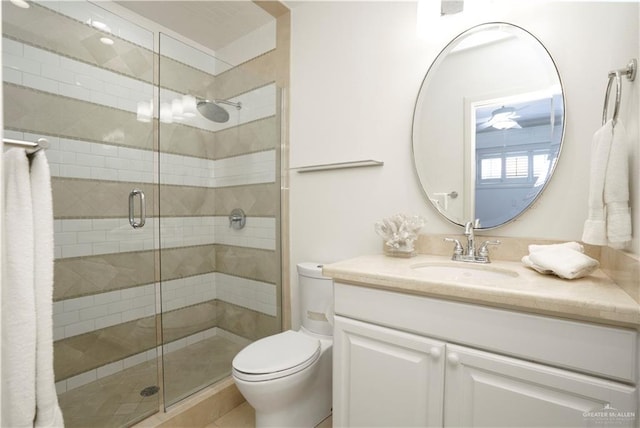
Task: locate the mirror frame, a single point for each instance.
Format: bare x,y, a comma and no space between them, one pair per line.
433,67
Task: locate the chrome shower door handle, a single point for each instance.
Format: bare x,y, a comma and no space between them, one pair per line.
143,211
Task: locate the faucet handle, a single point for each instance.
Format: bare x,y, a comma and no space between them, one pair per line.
483,251
457,249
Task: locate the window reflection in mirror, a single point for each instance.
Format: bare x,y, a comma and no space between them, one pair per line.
517,142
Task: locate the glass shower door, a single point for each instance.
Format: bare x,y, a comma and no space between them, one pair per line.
77,76
218,141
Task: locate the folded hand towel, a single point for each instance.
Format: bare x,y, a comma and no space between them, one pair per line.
564,262
616,190
526,260
570,245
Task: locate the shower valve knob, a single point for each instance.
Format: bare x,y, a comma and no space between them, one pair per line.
237,219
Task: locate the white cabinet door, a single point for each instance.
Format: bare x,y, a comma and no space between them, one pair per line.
484,389
384,377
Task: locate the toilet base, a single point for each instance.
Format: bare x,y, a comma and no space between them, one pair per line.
307,408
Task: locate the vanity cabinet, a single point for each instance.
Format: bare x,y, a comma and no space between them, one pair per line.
385,377
486,389
406,360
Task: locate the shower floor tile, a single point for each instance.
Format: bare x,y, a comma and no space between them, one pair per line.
115,400
206,361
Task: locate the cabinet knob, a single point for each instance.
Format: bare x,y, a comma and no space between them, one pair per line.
453,359
435,352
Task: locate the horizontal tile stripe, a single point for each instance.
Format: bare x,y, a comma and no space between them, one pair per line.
80,315
93,275
246,323
145,357
111,163
78,198
38,69
254,295
247,137
257,136
95,349
84,276
40,112
90,237
72,317
239,170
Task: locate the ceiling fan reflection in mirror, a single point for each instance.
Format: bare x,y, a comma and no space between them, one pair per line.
501,118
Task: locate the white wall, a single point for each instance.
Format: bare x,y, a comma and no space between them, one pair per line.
356,68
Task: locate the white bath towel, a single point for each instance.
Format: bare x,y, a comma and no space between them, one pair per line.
595,228
18,300
48,413
609,217
616,190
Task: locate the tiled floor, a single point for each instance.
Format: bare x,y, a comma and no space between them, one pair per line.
115,401
244,416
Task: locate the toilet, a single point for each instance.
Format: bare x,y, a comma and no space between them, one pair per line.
286,377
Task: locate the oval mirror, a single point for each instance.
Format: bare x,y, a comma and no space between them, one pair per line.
488,125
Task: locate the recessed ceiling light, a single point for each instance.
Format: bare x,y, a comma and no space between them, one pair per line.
99,25
107,41
21,3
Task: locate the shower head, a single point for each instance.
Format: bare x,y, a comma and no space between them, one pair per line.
211,109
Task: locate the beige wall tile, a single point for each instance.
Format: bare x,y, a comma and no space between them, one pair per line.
77,40
187,321
249,75
81,276
78,198
186,140
183,262
245,322
259,200
256,136
81,353
180,201
45,113
252,263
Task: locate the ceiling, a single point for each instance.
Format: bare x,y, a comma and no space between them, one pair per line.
213,24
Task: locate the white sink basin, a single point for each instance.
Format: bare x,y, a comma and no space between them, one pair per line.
461,271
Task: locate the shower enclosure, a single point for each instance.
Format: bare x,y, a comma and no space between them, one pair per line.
153,144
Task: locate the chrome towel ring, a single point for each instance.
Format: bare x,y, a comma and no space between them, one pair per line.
630,72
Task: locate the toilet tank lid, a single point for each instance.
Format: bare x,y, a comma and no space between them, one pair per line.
311,269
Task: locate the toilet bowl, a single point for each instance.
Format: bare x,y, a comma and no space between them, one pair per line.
286,377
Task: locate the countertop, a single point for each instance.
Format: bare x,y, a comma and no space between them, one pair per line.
594,298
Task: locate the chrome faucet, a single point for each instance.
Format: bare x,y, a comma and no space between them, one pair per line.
471,244
481,255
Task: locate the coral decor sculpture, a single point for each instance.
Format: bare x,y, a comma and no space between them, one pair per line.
400,232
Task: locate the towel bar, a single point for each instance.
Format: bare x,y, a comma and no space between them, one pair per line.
30,146
338,165
630,72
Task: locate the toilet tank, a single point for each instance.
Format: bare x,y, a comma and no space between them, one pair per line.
316,299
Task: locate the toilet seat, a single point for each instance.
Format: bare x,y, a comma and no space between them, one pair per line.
276,356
